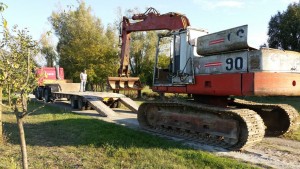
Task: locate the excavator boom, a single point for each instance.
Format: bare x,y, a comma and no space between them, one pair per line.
148,21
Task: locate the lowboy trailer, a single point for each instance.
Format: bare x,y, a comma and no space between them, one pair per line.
102,102
52,86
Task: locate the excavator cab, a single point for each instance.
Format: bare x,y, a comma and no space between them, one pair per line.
180,48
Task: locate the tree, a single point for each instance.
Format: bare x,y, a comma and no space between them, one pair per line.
2,8
48,50
284,29
85,44
1,125
142,53
17,75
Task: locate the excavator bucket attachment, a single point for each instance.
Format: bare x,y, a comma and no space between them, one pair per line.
125,83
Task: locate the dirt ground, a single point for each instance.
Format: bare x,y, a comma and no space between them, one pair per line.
270,153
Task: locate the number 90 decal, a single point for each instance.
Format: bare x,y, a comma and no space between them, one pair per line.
236,63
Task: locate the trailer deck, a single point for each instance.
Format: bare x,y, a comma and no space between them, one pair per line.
102,102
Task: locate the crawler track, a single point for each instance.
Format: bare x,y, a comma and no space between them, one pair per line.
228,128
278,118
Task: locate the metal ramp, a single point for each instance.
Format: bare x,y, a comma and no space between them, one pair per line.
99,101
129,104
105,110
100,107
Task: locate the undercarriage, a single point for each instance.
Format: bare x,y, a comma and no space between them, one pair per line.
233,127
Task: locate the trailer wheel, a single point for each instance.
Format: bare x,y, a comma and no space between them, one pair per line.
88,106
116,104
38,93
47,94
81,104
74,103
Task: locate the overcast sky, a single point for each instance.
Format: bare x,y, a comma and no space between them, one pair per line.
212,15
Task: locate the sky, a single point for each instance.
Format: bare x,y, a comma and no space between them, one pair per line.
212,15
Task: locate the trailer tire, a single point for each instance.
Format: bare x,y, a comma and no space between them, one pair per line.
74,103
81,104
116,104
47,94
88,106
38,93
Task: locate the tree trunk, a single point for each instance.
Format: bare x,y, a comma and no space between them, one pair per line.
1,125
22,141
9,95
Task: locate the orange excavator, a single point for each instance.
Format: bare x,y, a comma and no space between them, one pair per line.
214,69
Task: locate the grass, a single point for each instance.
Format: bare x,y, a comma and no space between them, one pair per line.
60,139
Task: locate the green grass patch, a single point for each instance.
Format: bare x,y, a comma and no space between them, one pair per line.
61,139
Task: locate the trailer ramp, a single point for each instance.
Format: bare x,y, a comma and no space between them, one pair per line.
129,104
97,100
99,106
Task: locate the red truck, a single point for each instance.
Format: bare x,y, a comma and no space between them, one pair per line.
52,79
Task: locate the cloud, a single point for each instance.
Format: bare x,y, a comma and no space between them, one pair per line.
213,4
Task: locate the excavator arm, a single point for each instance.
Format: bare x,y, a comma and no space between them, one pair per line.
148,21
